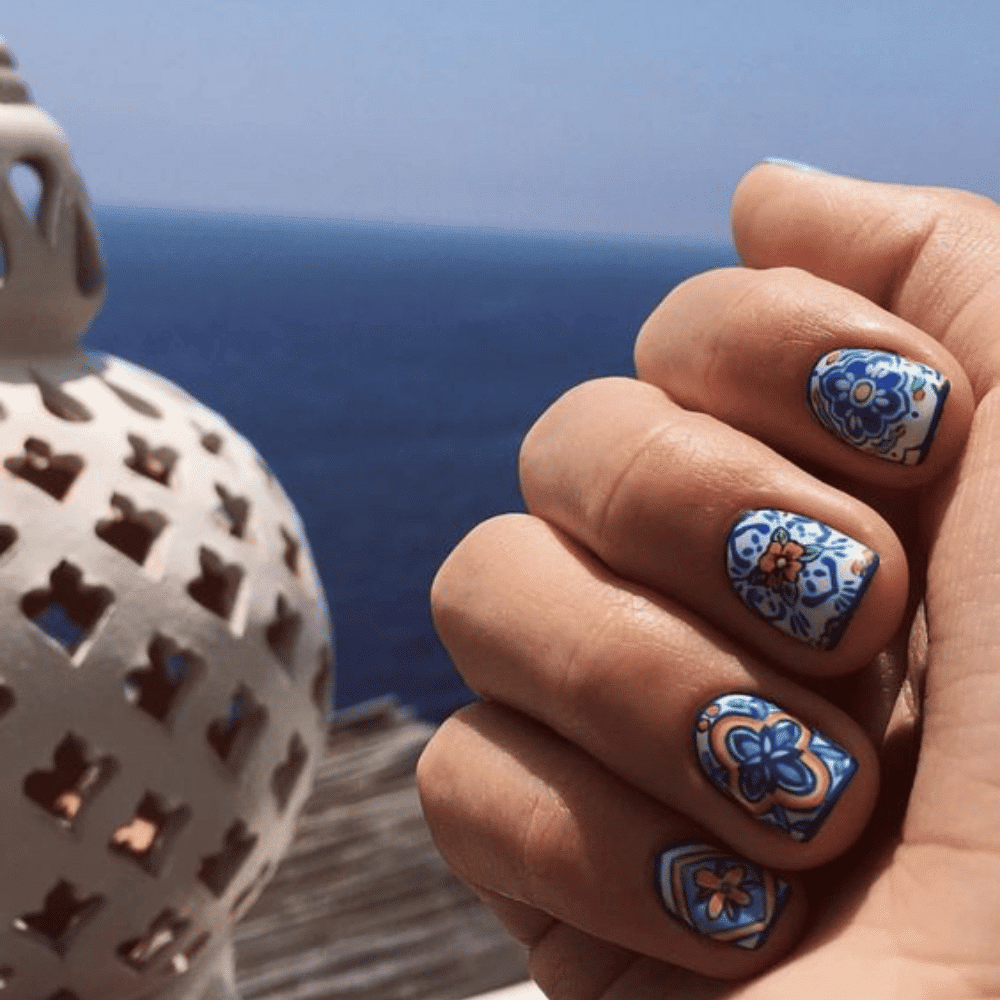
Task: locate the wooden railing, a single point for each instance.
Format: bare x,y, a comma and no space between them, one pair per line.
363,906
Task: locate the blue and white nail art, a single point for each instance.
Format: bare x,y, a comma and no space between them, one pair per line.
801,575
880,403
723,897
783,772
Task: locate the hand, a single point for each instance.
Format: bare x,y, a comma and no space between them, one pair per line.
607,631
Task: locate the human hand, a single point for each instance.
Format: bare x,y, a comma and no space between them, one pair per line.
598,628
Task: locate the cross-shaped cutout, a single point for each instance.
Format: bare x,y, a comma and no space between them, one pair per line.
7,537
283,632
217,871
234,511
233,735
218,585
60,918
153,463
286,775
6,700
181,962
71,782
292,551
162,932
146,837
211,441
322,679
54,474
131,531
67,610
156,688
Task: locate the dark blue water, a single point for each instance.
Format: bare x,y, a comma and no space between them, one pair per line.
387,374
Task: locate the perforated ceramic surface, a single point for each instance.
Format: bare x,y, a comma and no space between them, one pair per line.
163,680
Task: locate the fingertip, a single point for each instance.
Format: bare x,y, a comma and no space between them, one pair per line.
757,186
810,813
762,194
780,161
741,916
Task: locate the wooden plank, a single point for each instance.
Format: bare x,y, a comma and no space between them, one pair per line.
363,905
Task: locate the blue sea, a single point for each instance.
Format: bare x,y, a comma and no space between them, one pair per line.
387,373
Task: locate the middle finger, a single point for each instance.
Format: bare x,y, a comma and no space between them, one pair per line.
706,515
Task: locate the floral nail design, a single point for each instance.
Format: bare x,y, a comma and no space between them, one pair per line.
880,403
723,897
783,772
801,575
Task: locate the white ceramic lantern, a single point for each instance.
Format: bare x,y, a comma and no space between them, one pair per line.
164,642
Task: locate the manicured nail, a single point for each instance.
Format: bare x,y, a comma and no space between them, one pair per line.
783,772
801,575
724,897
880,403
792,164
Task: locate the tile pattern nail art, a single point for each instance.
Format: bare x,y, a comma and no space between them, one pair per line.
723,897
801,575
880,403
783,772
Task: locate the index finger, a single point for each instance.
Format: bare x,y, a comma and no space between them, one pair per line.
929,255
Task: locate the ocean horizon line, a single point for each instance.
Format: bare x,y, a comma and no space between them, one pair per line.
679,241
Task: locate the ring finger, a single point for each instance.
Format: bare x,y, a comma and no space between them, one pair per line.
522,815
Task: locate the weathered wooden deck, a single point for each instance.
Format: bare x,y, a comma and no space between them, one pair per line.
363,906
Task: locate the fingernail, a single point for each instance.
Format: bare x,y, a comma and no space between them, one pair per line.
778,161
722,896
804,577
880,403
783,772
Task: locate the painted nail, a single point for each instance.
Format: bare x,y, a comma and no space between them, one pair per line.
804,577
779,161
783,772
880,403
724,897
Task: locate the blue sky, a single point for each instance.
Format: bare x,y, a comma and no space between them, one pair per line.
634,116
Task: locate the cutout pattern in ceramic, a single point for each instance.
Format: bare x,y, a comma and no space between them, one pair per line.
165,681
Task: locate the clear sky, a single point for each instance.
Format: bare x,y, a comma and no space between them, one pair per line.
594,115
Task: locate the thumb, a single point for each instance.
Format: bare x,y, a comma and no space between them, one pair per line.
956,794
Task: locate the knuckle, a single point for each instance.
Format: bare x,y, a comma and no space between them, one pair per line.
561,445
662,336
440,778
960,202
544,850
465,572
429,774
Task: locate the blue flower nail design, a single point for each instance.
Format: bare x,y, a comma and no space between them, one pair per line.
880,403
723,897
770,759
783,772
801,575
